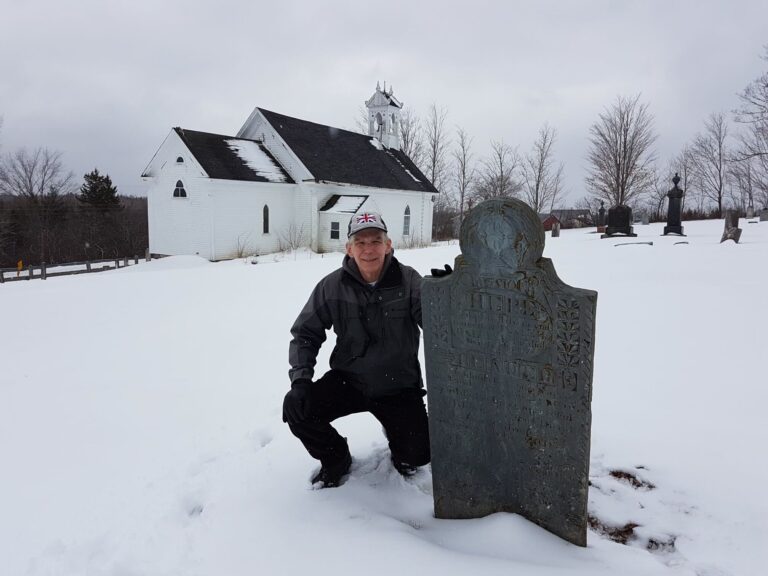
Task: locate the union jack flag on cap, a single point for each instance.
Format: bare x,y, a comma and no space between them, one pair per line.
364,221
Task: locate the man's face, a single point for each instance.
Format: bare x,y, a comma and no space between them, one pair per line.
368,249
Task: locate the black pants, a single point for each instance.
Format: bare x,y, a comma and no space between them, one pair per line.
403,417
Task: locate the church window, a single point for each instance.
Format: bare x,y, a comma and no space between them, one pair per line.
407,221
334,230
179,191
179,160
266,219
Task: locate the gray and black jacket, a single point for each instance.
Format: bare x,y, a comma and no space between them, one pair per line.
377,328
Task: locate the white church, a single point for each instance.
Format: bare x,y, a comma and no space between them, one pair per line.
282,182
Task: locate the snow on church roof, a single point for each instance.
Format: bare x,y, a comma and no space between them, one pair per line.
343,204
257,159
230,158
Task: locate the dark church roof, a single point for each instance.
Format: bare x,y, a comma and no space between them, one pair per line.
230,158
335,155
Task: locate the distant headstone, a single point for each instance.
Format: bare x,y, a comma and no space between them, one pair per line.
764,215
509,350
556,230
601,218
646,220
750,211
732,230
619,222
674,212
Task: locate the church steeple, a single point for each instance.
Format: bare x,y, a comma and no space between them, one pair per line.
384,116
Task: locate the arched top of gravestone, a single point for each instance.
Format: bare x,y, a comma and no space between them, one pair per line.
502,233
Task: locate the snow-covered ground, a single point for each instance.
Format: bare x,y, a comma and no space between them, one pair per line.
141,433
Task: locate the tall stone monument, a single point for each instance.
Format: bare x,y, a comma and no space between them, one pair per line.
509,350
601,218
674,211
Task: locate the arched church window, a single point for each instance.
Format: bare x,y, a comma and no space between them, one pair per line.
179,191
393,125
266,219
379,122
179,160
407,221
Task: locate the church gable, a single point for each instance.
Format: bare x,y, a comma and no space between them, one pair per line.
335,155
230,158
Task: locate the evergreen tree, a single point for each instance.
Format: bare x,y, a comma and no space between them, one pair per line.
98,192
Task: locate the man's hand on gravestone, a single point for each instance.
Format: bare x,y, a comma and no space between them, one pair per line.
437,273
296,403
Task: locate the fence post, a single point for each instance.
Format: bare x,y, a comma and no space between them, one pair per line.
31,272
147,255
88,266
42,270
136,259
2,276
117,263
125,262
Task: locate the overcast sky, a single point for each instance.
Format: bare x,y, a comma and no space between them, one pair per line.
104,81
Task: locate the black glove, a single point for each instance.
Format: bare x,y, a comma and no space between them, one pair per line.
296,402
437,273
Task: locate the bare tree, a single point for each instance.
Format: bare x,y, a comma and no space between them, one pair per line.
464,168
436,149
542,176
709,153
436,146
621,155
498,175
40,180
754,112
411,142
361,120
744,183
35,174
753,141
682,165
657,196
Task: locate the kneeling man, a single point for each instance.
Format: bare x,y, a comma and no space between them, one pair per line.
373,304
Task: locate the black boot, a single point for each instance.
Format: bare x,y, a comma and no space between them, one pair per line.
332,475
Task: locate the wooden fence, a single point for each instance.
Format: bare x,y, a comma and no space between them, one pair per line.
43,271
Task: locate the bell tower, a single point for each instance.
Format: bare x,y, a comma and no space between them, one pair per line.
384,116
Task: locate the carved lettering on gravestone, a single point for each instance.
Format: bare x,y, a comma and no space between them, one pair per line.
509,351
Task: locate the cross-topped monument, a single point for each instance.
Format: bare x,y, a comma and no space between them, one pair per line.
509,350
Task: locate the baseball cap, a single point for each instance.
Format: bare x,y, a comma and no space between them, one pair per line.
364,221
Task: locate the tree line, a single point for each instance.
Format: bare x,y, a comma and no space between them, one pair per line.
46,217
724,165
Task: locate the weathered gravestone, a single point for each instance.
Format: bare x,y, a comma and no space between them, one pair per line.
732,230
556,230
509,350
750,211
619,222
764,215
